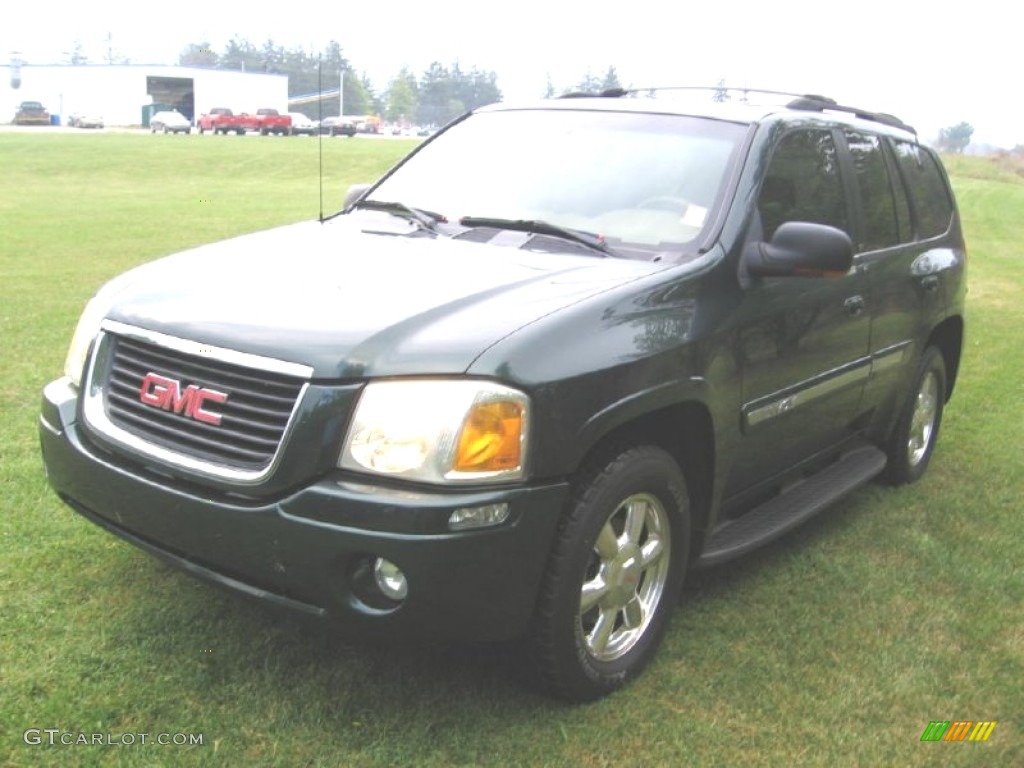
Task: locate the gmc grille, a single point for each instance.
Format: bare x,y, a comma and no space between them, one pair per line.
254,416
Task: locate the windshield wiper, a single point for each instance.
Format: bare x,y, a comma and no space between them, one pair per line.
426,219
540,227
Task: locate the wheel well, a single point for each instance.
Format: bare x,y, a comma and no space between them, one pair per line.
686,432
948,336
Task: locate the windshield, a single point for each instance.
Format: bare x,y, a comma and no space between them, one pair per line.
633,179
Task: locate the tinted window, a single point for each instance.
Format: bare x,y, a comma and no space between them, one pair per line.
902,205
932,205
803,183
876,197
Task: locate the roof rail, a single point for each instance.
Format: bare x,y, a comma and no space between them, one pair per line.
820,104
807,102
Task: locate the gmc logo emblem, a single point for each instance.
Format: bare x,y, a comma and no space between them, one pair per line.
162,392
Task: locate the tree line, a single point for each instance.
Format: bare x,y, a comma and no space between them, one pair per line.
439,94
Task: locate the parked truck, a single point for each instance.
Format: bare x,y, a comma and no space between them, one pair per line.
222,120
271,121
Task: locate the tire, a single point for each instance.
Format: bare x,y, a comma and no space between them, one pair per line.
910,448
614,574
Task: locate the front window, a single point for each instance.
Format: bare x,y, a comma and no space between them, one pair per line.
803,183
640,182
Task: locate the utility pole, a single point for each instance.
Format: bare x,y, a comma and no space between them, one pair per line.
341,93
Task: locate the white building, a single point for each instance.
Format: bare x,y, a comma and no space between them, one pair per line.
125,94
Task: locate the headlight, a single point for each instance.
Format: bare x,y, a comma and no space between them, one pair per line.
85,332
439,431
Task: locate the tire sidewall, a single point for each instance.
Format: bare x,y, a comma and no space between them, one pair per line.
900,470
637,470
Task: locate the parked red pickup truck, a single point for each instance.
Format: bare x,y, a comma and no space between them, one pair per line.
272,121
222,120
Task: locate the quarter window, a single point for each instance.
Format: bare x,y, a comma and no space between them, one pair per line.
930,197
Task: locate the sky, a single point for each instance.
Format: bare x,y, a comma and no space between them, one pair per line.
932,66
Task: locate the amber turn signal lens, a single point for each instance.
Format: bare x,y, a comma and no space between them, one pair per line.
490,440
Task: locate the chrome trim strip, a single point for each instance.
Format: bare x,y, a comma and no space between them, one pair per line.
231,356
95,415
890,357
781,402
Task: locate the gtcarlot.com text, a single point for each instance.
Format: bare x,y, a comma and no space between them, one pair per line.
56,737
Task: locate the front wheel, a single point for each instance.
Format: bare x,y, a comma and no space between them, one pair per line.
913,441
614,575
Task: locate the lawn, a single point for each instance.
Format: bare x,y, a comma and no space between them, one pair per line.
835,646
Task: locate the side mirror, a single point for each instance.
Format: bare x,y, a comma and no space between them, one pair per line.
801,249
355,192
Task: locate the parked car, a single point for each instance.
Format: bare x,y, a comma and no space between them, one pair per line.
31,113
302,124
561,354
337,126
86,120
170,121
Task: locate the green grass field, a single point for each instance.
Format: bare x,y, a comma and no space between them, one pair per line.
833,647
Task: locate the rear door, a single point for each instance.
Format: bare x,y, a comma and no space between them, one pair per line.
906,249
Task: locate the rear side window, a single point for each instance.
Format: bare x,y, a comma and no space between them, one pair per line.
803,183
881,227
929,196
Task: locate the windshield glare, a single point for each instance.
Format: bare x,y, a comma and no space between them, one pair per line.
636,179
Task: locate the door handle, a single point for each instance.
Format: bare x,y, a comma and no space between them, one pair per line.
854,305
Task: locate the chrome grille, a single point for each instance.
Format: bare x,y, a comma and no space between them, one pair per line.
254,416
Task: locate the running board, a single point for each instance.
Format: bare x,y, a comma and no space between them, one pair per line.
793,506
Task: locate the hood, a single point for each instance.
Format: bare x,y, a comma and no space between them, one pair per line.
353,304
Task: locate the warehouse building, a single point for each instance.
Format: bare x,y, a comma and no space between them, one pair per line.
129,94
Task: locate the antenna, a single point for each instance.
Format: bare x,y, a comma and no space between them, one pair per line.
319,128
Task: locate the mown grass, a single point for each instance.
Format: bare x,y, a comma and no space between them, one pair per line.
834,646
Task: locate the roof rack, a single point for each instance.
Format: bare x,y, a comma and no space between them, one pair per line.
801,101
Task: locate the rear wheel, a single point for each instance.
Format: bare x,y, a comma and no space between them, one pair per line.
913,441
614,575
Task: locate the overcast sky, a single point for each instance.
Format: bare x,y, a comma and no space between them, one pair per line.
932,67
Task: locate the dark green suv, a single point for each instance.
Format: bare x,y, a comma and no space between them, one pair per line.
558,356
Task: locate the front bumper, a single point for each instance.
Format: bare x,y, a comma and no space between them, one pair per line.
309,550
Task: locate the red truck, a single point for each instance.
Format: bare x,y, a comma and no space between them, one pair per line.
271,121
222,120
266,121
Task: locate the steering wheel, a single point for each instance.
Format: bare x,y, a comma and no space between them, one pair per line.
665,203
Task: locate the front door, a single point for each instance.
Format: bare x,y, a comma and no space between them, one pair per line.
802,342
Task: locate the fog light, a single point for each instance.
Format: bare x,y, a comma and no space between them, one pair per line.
390,580
478,517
